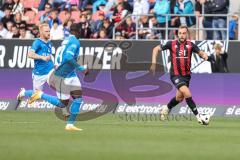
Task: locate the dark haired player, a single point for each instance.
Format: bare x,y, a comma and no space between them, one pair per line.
181,51
64,79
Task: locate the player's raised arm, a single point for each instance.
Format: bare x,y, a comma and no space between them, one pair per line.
155,53
33,55
71,59
156,50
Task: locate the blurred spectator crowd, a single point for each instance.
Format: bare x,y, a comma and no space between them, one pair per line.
97,18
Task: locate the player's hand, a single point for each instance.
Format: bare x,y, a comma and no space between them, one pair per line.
153,68
46,58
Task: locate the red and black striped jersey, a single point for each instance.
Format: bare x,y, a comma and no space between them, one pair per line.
180,56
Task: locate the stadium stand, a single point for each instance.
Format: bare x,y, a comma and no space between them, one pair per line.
116,11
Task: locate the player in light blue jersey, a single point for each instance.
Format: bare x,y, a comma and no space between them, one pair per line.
41,51
64,79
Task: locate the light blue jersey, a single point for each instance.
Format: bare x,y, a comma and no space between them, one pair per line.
42,48
67,58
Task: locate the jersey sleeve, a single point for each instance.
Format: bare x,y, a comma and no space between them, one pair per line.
35,46
195,48
166,46
72,50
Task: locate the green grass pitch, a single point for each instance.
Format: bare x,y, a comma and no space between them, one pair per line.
40,135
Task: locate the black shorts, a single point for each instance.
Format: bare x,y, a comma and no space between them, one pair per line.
180,81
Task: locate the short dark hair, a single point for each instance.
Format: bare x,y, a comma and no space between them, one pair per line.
183,26
75,30
55,21
152,17
74,27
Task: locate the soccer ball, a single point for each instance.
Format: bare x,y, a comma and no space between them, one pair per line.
205,119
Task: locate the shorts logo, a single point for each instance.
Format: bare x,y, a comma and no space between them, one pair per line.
176,81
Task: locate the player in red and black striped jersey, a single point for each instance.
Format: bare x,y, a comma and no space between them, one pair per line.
180,56
181,51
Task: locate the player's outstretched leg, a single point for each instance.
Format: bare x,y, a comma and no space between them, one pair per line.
173,102
166,109
51,99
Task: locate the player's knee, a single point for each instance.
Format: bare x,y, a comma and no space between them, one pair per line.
187,95
65,102
76,105
185,91
179,98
